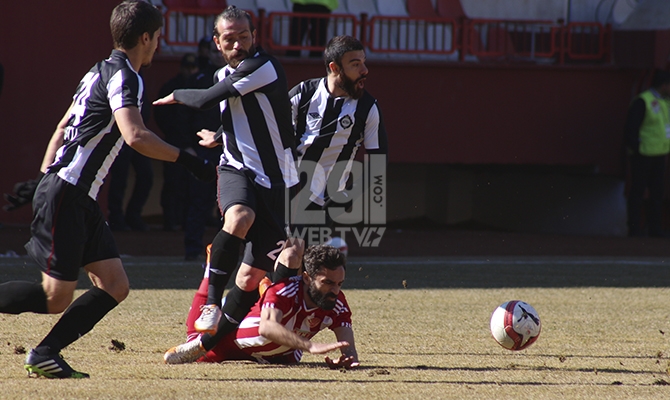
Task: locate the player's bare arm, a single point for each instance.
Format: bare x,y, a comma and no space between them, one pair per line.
56,140
349,357
24,191
142,139
272,329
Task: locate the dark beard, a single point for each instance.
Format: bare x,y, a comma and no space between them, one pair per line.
325,302
350,87
235,62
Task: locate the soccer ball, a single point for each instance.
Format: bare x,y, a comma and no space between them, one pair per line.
339,244
515,325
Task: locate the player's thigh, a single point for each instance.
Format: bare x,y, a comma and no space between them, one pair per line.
109,276
68,230
237,201
234,187
248,277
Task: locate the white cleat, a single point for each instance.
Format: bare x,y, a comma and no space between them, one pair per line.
185,353
208,321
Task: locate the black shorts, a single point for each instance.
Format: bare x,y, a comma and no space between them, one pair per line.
267,235
68,230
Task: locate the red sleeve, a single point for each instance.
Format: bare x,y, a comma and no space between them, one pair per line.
342,312
278,296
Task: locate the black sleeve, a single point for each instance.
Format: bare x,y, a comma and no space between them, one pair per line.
634,121
204,99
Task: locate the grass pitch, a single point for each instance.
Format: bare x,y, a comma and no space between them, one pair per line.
421,329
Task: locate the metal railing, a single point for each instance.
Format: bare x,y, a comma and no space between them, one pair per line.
412,35
304,31
471,39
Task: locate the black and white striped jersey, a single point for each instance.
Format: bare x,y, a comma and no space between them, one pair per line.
92,140
255,117
331,129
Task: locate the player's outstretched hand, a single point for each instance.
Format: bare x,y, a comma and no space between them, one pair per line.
202,169
169,99
323,348
347,362
23,194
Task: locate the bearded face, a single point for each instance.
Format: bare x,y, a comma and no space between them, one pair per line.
325,300
353,87
235,41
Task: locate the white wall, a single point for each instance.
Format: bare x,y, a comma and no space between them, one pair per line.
573,10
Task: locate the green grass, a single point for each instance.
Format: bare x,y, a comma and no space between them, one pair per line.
429,340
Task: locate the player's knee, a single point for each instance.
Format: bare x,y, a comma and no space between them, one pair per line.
118,288
58,302
291,256
238,220
119,291
248,279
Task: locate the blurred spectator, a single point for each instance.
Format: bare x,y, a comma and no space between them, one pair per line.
173,122
118,179
201,203
647,138
317,27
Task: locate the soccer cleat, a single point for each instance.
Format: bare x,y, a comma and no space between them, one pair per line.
208,321
263,285
185,353
50,366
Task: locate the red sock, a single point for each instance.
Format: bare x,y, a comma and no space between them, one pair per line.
199,299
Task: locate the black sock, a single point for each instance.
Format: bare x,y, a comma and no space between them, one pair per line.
237,306
17,297
223,260
283,272
79,318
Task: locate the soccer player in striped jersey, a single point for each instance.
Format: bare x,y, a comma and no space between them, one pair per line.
333,116
68,229
280,325
256,168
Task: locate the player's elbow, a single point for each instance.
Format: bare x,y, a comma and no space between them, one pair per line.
135,138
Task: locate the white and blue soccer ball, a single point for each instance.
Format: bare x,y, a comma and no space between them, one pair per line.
515,325
339,244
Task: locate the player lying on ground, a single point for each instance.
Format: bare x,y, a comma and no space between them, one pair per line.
280,325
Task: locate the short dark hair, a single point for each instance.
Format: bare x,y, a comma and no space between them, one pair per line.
337,47
661,77
324,256
131,19
232,13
